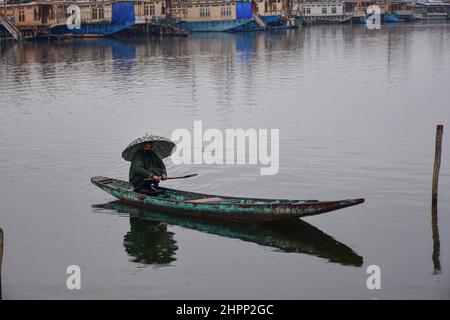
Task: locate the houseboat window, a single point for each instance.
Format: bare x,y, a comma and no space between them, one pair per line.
225,11
333,10
324,10
205,12
21,16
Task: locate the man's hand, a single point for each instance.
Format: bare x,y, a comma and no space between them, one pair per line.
155,178
164,176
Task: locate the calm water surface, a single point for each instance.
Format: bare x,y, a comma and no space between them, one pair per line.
357,112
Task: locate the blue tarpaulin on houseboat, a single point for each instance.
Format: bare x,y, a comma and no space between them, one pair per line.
123,12
244,10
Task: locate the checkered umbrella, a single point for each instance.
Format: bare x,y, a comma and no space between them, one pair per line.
162,146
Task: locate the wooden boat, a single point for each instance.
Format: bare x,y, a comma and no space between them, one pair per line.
392,18
215,207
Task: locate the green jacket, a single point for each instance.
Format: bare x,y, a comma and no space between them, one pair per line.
145,164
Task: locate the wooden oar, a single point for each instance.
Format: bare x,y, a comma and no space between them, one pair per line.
181,177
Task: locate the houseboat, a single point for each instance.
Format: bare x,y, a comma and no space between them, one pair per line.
324,11
398,11
431,10
63,18
97,19
226,15
153,17
358,9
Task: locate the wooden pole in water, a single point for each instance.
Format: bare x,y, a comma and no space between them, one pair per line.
436,242
1,260
437,161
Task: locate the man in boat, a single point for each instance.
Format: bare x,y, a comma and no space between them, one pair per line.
146,170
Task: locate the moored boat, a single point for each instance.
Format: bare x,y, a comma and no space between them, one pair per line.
401,9
359,20
223,16
215,207
99,20
324,12
70,18
392,18
429,10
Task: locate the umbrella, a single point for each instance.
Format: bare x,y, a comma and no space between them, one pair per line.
162,146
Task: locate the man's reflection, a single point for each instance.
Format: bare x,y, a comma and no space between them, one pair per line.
149,242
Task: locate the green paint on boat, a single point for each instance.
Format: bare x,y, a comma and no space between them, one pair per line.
214,207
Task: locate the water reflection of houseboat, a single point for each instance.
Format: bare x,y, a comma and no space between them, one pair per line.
226,15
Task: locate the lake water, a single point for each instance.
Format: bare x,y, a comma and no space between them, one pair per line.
357,112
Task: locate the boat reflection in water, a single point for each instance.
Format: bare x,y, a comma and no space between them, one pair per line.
149,242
